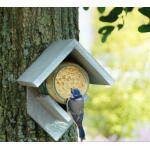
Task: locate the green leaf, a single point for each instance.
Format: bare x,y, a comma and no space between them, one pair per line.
105,31
113,15
120,26
144,28
128,9
145,11
85,8
101,9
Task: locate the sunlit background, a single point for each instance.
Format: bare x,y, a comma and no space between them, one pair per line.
120,112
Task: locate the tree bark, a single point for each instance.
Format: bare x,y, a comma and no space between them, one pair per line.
24,34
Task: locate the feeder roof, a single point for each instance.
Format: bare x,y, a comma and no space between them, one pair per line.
47,62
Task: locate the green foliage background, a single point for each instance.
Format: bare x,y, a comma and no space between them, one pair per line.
117,109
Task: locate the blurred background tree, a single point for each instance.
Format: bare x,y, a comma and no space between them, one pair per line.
116,111
115,17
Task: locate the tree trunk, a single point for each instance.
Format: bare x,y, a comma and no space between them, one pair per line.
24,34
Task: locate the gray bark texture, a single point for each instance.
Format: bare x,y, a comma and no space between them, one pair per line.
24,34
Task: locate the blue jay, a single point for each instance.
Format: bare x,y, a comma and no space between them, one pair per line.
75,105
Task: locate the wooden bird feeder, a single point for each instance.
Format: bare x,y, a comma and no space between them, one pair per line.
65,64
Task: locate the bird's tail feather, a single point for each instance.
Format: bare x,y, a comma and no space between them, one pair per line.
81,133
